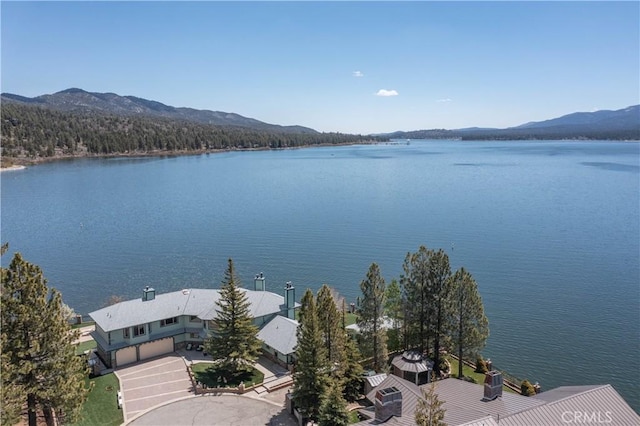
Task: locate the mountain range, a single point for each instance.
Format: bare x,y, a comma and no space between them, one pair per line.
605,124
83,102
619,124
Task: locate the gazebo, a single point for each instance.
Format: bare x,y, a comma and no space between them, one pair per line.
414,367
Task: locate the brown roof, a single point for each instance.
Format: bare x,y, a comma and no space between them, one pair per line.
576,405
464,405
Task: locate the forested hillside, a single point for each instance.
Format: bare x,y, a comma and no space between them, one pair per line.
31,133
622,124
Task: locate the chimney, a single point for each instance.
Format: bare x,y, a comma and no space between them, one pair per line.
492,385
388,403
259,283
290,300
148,294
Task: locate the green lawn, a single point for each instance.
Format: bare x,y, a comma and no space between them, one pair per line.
206,373
470,372
353,417
101,406
350,318
85,346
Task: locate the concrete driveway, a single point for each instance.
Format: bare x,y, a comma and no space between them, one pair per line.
217,410
149,383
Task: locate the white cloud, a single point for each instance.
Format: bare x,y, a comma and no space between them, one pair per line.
444,100
385,92
358,74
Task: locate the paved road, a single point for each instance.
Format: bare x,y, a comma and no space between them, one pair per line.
217,410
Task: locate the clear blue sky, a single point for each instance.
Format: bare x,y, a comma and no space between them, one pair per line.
326,65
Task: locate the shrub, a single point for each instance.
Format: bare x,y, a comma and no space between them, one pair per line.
526,388
444,365
481,366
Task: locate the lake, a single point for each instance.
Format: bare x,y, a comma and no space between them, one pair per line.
550,231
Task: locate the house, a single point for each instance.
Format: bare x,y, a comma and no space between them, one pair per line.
153,325
468,404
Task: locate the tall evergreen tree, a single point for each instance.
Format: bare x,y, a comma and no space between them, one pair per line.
311,375
393,310
234,340
341,350
352,372
440,290
13,393
472,327
429,411
330,326
370,318
333,409
417,299
40,367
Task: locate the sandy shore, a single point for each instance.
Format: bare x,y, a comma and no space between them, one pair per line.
10,168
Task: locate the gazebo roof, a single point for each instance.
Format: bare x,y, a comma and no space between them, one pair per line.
412,361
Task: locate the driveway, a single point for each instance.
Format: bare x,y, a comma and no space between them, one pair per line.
217,410
149,383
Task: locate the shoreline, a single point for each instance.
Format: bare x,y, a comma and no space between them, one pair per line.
20,163
13,168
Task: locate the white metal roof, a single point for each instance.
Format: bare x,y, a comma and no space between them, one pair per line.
280,334
197,302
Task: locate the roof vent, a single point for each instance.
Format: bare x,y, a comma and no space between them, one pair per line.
148,294
388,403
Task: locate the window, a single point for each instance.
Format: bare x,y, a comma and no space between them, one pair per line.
125,333
138,330
168,321
194,335
194,318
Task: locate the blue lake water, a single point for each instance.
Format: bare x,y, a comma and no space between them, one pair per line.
550,230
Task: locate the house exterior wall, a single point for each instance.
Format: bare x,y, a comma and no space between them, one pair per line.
285,360
185,328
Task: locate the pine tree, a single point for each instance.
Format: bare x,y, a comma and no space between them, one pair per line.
370,318
329,321
333,410
472,327
38,355
352,372
311,375
341,351
429,411
440,289
13,393
417,301
393,310
234,341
